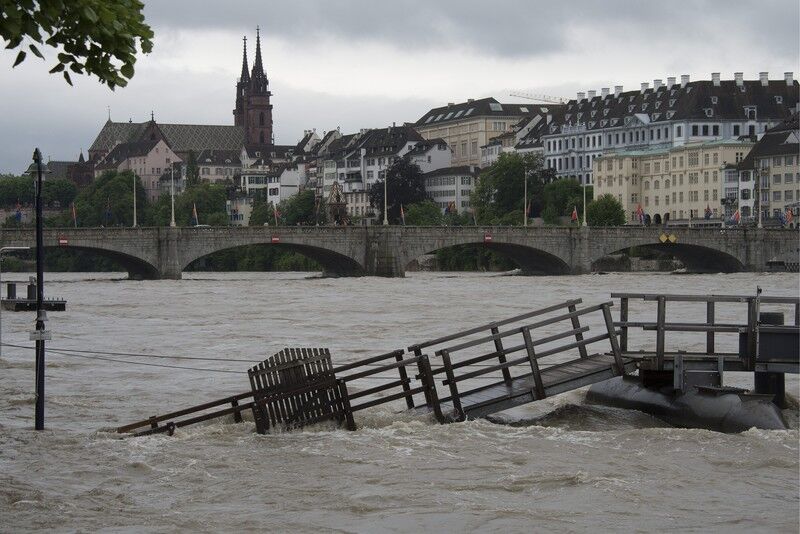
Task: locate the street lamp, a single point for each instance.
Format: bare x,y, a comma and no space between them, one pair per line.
172,194
585,183
134,200
3,249
385,203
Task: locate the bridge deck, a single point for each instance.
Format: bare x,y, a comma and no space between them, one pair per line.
556,379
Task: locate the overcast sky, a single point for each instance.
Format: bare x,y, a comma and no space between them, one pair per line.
365,63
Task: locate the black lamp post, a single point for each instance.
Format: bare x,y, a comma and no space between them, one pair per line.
40,334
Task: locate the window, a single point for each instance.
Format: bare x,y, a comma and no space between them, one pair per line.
261,119
705,129
678,131
776,179
715,195
705,195
736,130
788,178
715,129
788,195
776,195
695,129
474,148
745,194
694,159
466,180
706,159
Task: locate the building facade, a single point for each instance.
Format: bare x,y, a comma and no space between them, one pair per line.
451,187
470,125
679,183
664,116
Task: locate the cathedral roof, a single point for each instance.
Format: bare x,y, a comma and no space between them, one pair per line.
180,137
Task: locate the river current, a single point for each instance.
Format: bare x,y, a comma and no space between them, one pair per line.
578,467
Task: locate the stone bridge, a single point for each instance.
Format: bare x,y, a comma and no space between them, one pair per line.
152,253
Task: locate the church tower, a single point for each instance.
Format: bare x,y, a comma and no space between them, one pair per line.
253,109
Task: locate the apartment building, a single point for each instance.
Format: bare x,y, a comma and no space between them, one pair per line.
664,116
452,186
678,183
470,125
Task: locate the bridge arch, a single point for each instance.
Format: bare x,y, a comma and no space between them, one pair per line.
333,262
696,258
137,268
533,256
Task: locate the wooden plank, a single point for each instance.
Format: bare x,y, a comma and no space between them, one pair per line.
404,379
576,325
612,337
498,347
660,320
454,398
537,375
365,361
705,298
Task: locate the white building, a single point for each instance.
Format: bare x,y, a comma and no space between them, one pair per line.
664,115
452,186
430,155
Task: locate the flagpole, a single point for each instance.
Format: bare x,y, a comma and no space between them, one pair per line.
385,203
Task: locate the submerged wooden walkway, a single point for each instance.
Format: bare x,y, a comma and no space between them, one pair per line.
486,369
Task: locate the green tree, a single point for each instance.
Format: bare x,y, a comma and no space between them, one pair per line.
501,187
192,170
93,37
209,200
60,190
262,213
425,213
405,186
605,210
302,209
107,201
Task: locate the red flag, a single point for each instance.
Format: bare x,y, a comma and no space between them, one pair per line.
736,217
74,216
574,214
402,215
194,214
789,215
277,213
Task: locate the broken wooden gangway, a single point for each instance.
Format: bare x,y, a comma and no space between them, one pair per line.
517,360
485,369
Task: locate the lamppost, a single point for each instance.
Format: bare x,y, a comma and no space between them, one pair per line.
385,203
3,249
585,183
40,334
525,201
134,200
172,195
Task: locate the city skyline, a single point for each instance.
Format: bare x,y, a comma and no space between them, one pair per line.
405,59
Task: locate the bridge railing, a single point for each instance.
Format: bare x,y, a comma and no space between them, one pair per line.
750,329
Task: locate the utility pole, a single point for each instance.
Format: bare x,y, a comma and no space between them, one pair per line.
134,201
40,334
172,194
385,203
525,200
585,183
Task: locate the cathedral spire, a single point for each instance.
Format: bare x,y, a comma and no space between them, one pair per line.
258,67
245,75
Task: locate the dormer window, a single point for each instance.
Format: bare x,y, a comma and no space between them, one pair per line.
603,123
570,106
709,112
594,103
750,112
605,112
714,99
672,93
594,113
630,109
670,114
614,122
630,98
658,104
579,116
778,99
567,116
656,116
672,102
688,89
644,107
591,124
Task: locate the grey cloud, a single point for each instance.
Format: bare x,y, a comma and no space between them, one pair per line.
510,28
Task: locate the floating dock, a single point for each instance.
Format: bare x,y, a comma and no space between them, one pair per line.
15,304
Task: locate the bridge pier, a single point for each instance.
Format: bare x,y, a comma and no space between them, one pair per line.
383,255
169,265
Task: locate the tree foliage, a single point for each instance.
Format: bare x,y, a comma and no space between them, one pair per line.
605,210
405,186
93,37
302,209
261,213
21,189
425,213
501,188
192,170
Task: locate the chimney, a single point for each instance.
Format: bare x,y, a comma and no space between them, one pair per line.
670,81
789,77
450,104
470,100
657,85
764,77
592,94
581,96
604,92
645,85
715,78
617,90
684,80
739,76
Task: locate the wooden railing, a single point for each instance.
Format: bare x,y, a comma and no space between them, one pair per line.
711,327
